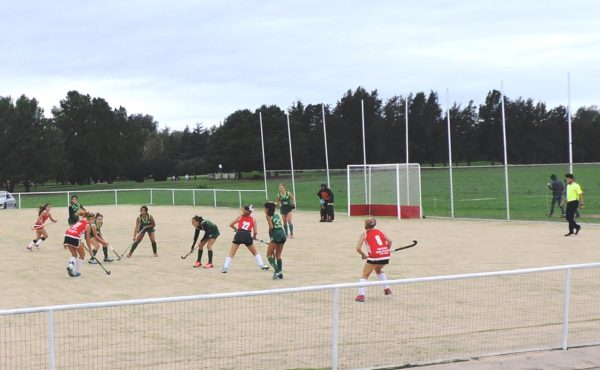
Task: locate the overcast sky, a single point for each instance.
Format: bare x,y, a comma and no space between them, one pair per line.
188,62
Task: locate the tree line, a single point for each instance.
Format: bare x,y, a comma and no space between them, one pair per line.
86,140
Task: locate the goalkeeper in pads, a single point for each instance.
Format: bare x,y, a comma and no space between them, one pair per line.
326,199
378,247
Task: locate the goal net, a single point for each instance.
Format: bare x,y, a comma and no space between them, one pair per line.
384,190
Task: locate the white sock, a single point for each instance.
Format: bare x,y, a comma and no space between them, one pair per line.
259,260
362,289
227,262
78,265
39,242
382,277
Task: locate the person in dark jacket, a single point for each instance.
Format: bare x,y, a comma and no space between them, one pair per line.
558,189
326,199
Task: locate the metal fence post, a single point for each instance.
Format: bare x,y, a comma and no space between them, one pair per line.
215,197
20,207
566,303
51,348
335,328
173,195
194,197
240,197
116,198
151,198
68,198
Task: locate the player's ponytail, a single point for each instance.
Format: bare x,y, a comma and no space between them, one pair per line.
270,207
198,219
42,208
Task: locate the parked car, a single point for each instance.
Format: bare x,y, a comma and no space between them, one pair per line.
7,200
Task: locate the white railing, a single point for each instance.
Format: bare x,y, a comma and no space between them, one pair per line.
426,320
146,195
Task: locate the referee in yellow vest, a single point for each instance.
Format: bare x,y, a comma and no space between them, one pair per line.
574,200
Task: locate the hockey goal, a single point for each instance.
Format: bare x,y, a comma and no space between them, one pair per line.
384,190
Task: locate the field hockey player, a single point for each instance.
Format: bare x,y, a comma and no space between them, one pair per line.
378,255
144,223
278,239
40,231
285,200
74,243
211,233
98,240
245,233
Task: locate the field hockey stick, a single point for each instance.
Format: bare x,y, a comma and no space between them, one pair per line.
406,246
131,244
97,260
188,253
262,241
114,251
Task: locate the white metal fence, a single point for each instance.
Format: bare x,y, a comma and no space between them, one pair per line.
152,196
426,320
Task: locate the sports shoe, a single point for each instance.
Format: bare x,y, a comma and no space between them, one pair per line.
577,229
30,246
360,298
224,270
155,254
93,261
208,265
275,276
76,274
70,269
129,255
197,264
107,259
569,234
264,267
280,275
387,291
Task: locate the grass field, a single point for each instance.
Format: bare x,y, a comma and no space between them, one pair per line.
478,191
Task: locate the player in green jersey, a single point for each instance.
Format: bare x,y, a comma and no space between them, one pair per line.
98,240
278,239
211,233
285,200
144,223
74,207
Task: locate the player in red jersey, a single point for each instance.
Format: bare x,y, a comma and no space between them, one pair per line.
40,232
378,255
245,233
73,241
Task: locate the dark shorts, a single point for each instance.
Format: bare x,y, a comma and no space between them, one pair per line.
278,236
148,230
211,234
285,210
73,242
243,237
378,262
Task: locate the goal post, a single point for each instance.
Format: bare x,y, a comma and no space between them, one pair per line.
384,190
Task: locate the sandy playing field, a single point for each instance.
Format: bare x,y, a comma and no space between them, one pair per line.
321,253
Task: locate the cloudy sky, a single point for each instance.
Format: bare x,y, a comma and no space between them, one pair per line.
187,62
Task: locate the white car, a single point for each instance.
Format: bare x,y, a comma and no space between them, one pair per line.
7,200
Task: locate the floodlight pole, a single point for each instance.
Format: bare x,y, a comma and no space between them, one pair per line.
291,158
362,112
450,154
505,154
569,122
325,137
262,142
